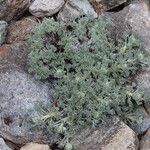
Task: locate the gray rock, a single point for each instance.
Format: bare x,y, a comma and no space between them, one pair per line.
75,8
112,134
42,8
13,55
19,93
12,9
145,141
3,31
142,118
3,146
143,83
104,5
117,25
136,16
142,127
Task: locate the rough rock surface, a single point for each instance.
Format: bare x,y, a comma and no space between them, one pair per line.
3,146
145,141
111,135
19,93
42,8
142,117
12,9
35,146
19,30
143,126
74,8
143,82
13,55
104,5
138,18
3,31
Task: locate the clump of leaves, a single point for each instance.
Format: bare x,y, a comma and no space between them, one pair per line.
88,71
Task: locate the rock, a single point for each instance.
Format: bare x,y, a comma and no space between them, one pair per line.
143,82
19,94
12,146
35,146
3,31
42,8
142,118
136,16
19,30
143,127
104,5
111,135
75,8
117,25
15,52
13,55
3,146
12,9
145,141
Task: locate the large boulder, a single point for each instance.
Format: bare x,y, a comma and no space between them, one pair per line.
136,16
93,8
3,31
19,94
12,9
20,30
3,146
42,8
112,134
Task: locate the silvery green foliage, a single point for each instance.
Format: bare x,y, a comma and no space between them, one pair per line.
88,71
3,26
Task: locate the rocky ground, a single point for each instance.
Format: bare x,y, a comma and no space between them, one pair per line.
19,91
